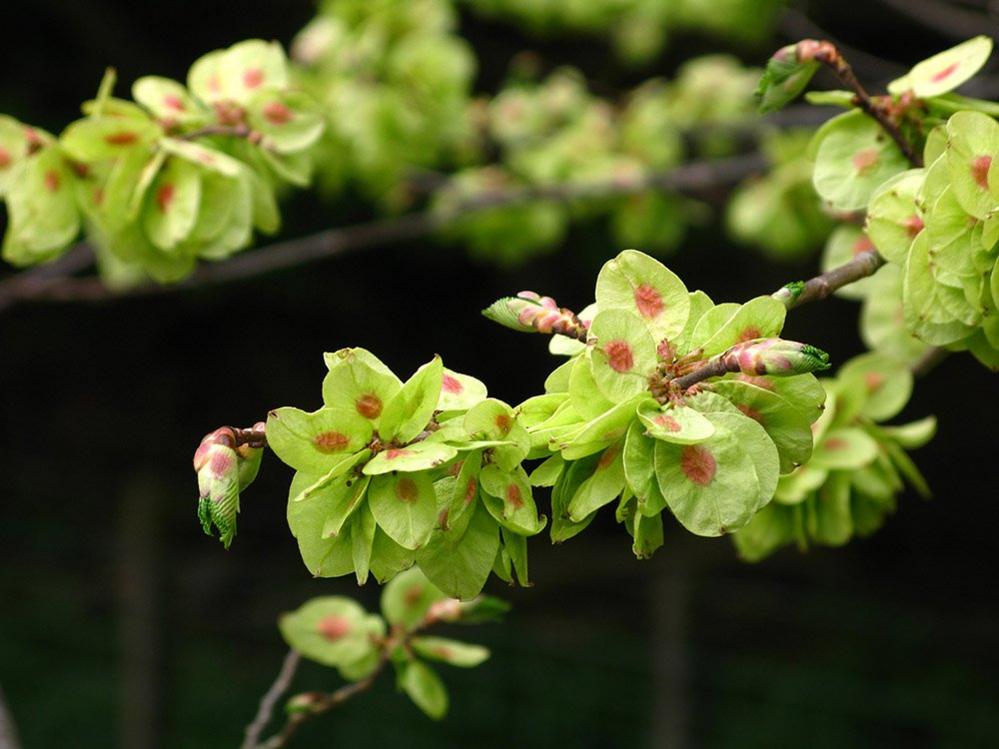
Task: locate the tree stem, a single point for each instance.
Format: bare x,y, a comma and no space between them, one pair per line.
323,705
269,700
829,55
689,178
795,294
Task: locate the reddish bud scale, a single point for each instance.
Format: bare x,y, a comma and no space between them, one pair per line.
980,171
773,356
545,316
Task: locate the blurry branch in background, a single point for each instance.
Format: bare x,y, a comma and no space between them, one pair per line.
827,53
266,710
946,18
56,282
8,732
797,25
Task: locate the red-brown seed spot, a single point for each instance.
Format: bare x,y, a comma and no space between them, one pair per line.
397,452
752,413
412,595
205,158
442,518
52,180
451,385
866,159
980,170
698,464
834,443
276,113
945,73
369,406
749,334
214,84
455,468
172,101
874,381
98,196
470,491
760,382
220,463
913,225
648,300
619,356
608,457
333,627
503,423
253,77
331,442
405,490
442,652
668,423
164,197
513,496
5,158
123,138
863,244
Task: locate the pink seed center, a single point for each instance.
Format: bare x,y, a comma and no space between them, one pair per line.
619,356
406,491
980,170
865,160
698,464
333,627
330,442
648,300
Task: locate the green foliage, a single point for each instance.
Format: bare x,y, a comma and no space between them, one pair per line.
780,211
936,224
425,472
377,97
337,632
185,173
857,469
639,29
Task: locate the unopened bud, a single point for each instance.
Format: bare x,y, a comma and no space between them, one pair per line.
529,312
774,356
224,469
303,703
786,75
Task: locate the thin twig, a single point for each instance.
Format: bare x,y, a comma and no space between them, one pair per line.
827,53
690,178
797,25
8,731
229,131
323,704
31,282
928,361
861,266
269,700
716,367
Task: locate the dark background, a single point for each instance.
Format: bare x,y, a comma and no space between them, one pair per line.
120,621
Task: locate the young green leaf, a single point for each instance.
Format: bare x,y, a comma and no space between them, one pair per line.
449,651
407,599
409,411
317,441
425,688
405,507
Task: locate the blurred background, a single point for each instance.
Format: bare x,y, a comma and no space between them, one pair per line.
122,625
